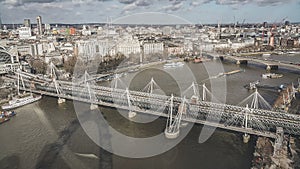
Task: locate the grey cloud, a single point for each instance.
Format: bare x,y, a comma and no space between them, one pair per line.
199,2
272,2
22,2
231,2
130,7
38,1
143,2
134,5
127,1
173,7
12,2
175,2
257,2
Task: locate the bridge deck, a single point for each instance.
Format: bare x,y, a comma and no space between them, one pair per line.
150,112
263,122
266,62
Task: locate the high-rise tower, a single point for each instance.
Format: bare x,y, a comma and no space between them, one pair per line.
27,23
39,25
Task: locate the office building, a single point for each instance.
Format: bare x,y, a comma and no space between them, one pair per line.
39,25
27,23
24,32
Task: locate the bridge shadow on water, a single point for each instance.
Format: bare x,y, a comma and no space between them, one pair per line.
10,162
54,155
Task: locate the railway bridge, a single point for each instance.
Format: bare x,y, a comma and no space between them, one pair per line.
248,117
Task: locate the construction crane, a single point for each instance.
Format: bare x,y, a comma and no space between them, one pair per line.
234,22
241,26
280,23
242,23
274,26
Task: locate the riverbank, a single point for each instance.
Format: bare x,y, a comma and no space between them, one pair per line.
283,152
146,65
280,153
134,68
285,98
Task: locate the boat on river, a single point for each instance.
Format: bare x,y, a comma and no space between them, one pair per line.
198,60
8,114
3,119
18,102
173,65
271,75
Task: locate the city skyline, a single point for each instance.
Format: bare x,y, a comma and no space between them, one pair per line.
184,11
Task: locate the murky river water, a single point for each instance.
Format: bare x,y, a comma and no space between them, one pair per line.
48,135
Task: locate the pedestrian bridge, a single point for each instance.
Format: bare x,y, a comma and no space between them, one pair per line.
247,117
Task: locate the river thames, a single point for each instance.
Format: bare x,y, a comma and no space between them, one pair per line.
47,135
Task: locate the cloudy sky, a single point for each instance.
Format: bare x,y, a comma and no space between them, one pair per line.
150,11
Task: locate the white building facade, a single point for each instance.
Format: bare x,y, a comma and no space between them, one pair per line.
24,32
93,47
153,47
129,46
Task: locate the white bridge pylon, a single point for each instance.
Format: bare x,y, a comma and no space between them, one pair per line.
118,83
174,121
256,101
192,92
207,95
250,120
53,76
131,114
20,78
53,71
92,96
151,86
246,136
18,82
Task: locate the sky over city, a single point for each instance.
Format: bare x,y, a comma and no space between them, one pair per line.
194,11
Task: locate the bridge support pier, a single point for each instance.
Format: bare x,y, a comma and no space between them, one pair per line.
93,107
61,100
272,67
131,114
171,135
242,62
194,99
246,138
